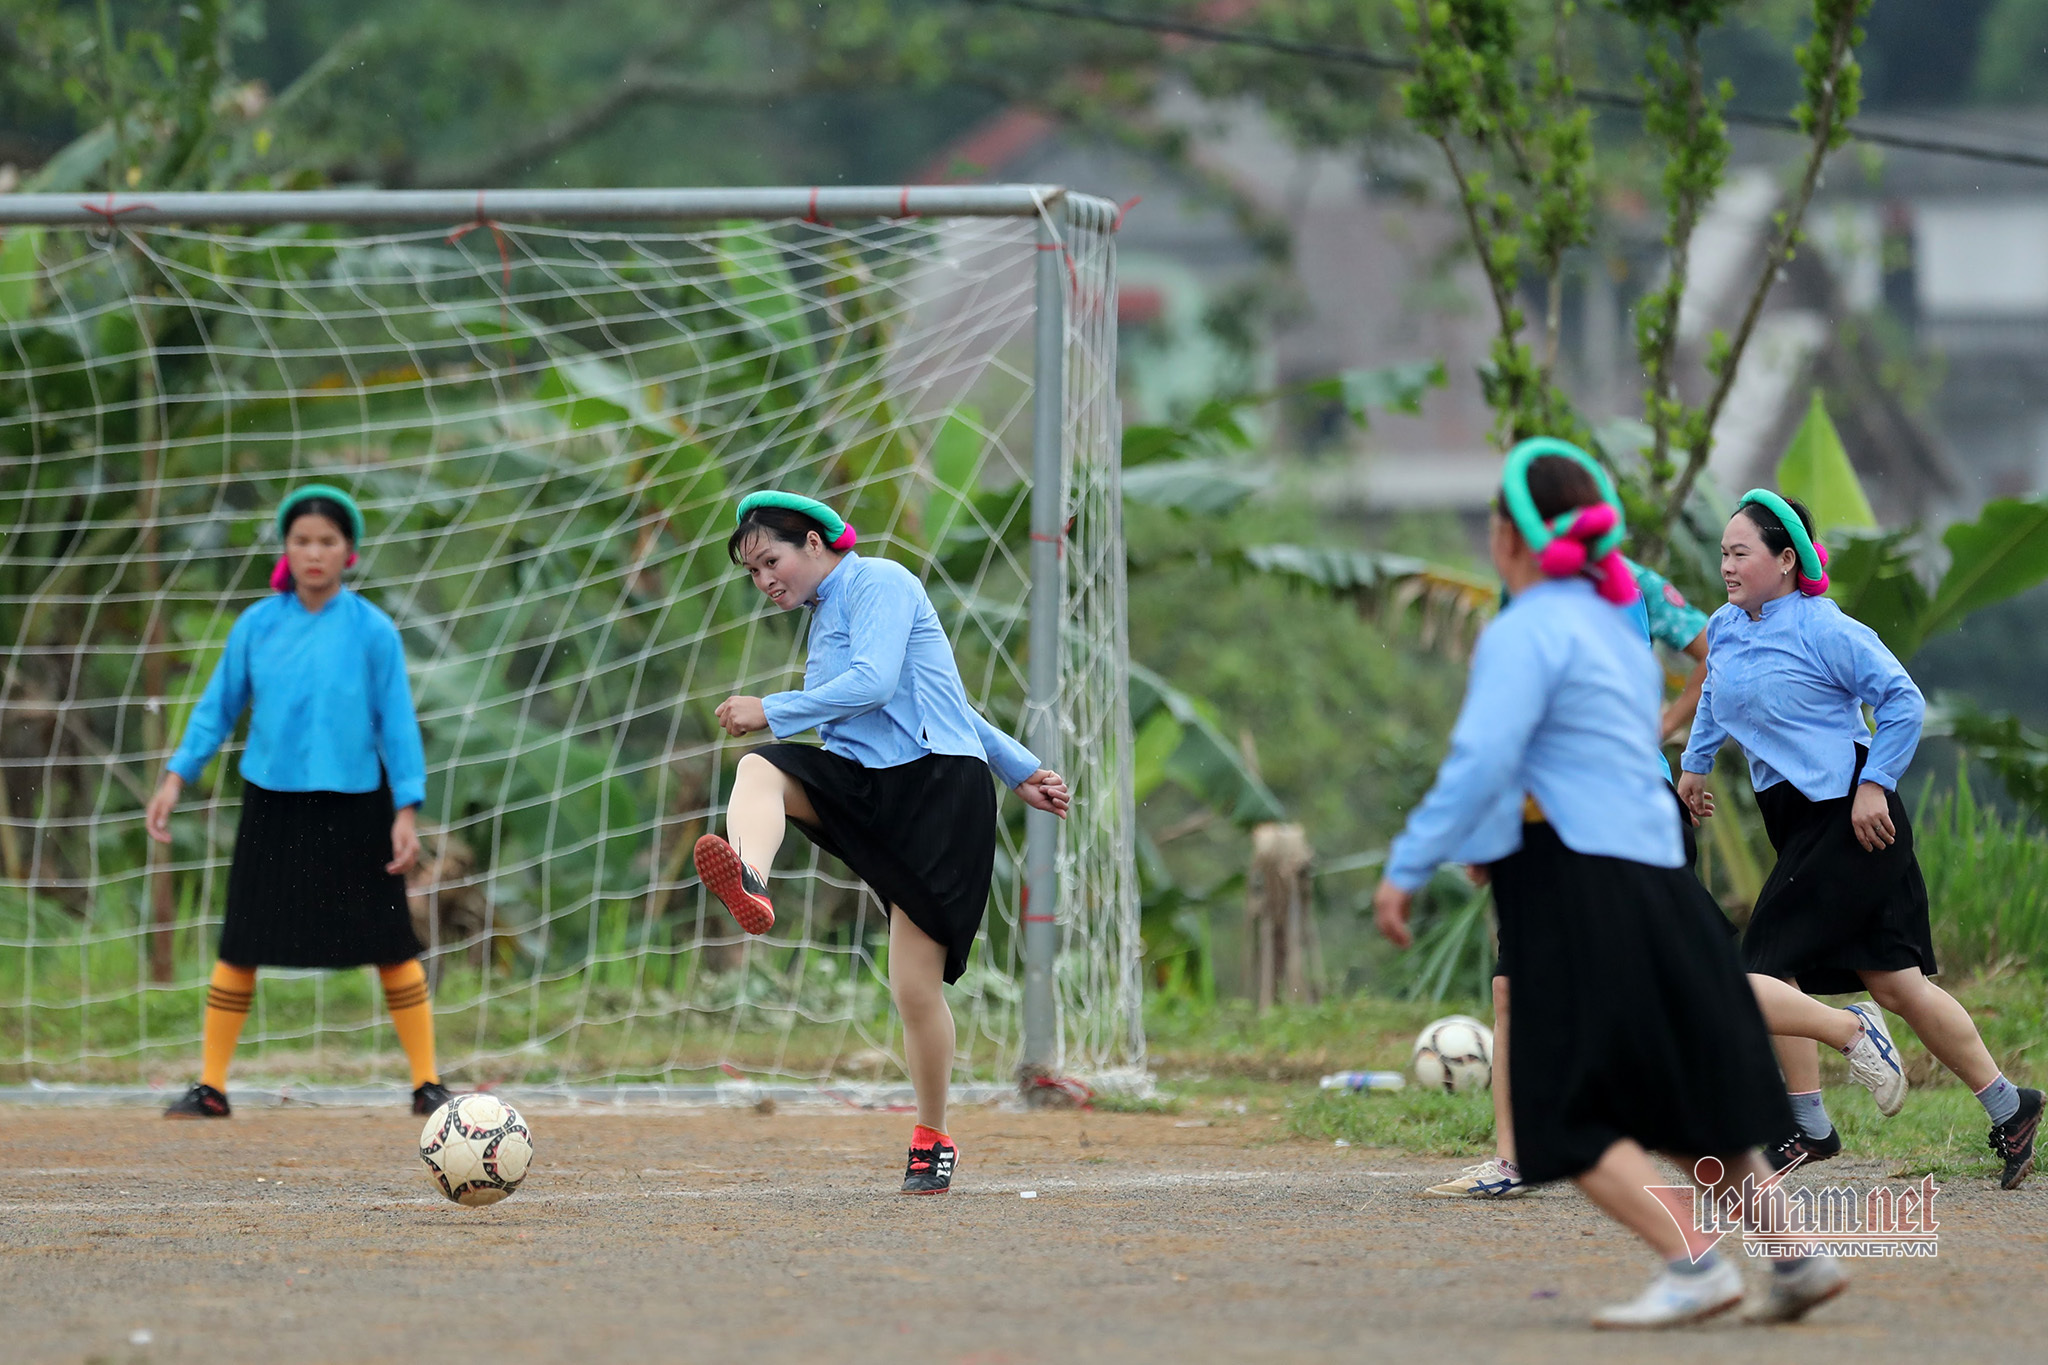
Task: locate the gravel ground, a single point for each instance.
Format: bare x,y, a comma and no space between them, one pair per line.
725,1235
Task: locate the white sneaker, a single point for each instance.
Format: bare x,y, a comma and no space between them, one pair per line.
1794,1292
1673,1300
1487,1180
1874,1060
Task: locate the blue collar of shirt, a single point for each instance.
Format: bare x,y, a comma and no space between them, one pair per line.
1778,604
831,581
301,606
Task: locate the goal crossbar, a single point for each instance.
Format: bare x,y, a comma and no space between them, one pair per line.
822,203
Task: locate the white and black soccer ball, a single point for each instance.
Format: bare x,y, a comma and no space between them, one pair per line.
1454,1053
477,1149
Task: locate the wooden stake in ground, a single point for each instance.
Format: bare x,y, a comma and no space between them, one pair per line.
1281,952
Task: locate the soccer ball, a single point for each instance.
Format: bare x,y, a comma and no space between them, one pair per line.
1454,1053
477,1149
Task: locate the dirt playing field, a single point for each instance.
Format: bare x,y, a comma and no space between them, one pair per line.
294,1235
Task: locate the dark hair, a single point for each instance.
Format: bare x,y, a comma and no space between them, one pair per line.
777,523
1768,525
323,507
1556,486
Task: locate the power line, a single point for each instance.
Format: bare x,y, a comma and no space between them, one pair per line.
1358,56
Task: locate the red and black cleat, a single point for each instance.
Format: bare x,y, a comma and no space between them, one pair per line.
932,1155
733,882
202,1101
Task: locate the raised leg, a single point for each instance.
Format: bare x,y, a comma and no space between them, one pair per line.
1791,1013
763,797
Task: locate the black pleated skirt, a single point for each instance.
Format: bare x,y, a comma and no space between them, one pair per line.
922,834
308,888
1832,908
1632,1016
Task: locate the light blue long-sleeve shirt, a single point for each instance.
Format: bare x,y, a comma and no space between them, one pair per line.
1790,689
1562,705
880,685
330,701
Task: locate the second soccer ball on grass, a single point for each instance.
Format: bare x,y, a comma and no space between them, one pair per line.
1454,1053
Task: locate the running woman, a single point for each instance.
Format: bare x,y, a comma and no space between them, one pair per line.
1845,908
333,776
1635,1029
899,791
1664,617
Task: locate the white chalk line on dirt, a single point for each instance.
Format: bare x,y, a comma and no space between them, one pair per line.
297,1202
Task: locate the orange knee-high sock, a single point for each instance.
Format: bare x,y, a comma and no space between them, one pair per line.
412,1014
228,997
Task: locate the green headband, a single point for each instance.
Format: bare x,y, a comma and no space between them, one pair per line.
839,535
1813,558
1521,508
321,490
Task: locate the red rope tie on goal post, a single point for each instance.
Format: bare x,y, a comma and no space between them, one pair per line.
109,213
1124,208
504,267
811,213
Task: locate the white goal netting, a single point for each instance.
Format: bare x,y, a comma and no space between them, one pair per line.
548,429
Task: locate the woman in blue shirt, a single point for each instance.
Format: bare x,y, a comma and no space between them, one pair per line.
1788,675
1663,616
333,774
899,791
1635,1030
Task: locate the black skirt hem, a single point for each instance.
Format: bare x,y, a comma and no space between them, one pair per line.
307,886
1632,1015
922,834
1832,909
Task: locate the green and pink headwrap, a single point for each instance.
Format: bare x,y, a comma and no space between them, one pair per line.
839,535
1583,540
281,574
1813,556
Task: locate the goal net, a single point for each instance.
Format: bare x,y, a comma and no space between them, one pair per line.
548,424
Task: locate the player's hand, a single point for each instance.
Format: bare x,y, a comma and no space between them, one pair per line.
1871,816
742,715
1046,790
1692,789
1390,907
156,816
1479,874
405,841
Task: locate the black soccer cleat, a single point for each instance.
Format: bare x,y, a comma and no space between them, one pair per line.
1783,1154
931,1169
202,1101
2013,1140
429,1097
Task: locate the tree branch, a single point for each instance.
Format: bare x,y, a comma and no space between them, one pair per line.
636,85
1827,120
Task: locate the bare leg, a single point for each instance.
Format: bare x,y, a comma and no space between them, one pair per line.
1791,1013
762,796
1797,1056
1620,1186
1503,1112
917,969
1944,1026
